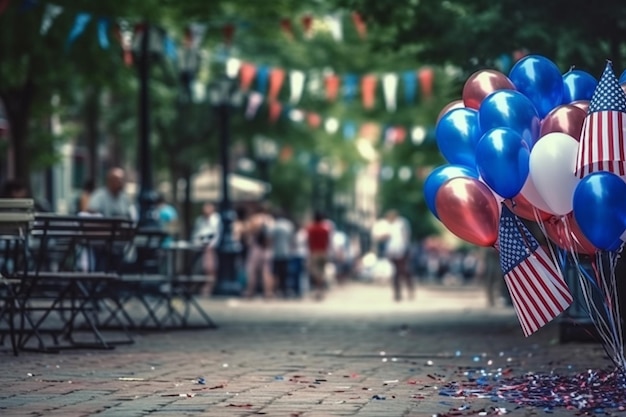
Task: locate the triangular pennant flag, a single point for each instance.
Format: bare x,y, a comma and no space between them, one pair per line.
286,153
368,90
307,24
349,130
349,86
285,25
197,31
359,24
335,26
229,32
103,32
390,88
277,77
124,34
262,78
246,75
233,65
296,115
80,24
169,48
538,290
426,77
275,109
254,102
331,125
296,86
314,120
409,81
332,86
49,15
603,138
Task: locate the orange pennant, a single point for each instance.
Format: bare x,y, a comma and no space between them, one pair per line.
274,110
368,90
332,86
247,72
359,24
277,77
426,77
314,120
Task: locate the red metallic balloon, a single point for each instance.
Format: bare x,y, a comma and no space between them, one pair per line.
581,104
482,83
468,209
566,118
557,231
524,209
456,104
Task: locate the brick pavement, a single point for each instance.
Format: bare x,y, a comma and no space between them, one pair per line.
356,353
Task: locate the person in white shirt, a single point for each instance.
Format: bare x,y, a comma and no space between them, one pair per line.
206,231
397,244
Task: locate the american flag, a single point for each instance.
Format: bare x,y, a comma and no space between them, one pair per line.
602,142
537,288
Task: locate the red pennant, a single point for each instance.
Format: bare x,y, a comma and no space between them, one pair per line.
332,86
286,153
127,54
368,90
229,33
307,23
314,120
426,77
247,72
274,111
3,5
359,24
277,77
400,134
285,25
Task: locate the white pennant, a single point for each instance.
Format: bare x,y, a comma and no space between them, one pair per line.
254,102
390,88
331,125
334,25
232,67
296,86
197,34
51,13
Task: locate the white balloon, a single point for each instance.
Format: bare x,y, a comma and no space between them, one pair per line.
552,166
530,193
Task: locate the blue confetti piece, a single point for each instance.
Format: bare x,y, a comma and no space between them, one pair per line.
201,381
279,378
378,397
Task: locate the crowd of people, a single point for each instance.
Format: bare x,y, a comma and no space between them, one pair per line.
284,257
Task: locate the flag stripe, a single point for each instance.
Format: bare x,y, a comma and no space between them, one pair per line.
555,275
527,320
543,289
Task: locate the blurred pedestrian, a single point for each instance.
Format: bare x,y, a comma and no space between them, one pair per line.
493,277
282,244
206,232
86,191
259,261
15,188
397,246
319,240
111,200
167,217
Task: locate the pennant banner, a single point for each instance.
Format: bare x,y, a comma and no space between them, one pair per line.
80,24
49,15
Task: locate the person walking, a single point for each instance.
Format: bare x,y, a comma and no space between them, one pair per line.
206,232
396,250
282,243
259,260
318,239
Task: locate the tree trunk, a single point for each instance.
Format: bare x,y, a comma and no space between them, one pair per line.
18,105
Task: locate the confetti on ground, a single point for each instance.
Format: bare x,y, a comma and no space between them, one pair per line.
589,392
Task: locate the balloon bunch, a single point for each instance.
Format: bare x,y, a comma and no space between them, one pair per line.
527,140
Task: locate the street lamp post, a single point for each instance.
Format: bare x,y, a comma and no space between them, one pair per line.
224,95
146,44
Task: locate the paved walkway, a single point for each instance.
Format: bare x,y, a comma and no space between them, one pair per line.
357,353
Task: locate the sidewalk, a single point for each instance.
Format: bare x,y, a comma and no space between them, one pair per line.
357,353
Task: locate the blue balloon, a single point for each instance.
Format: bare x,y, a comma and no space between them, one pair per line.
502,159
578,85
440,175
540,80
457,133
512,109
622,78
599,208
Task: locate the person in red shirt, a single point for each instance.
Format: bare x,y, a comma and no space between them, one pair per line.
318,238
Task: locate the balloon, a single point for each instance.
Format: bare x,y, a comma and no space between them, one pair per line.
440,175
600,209
521,207
455,104
552,165
457,134
578,85
622,78
507,108
557,231
581,104
502,161
566,118
467,208
530,193
540,80
482,83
